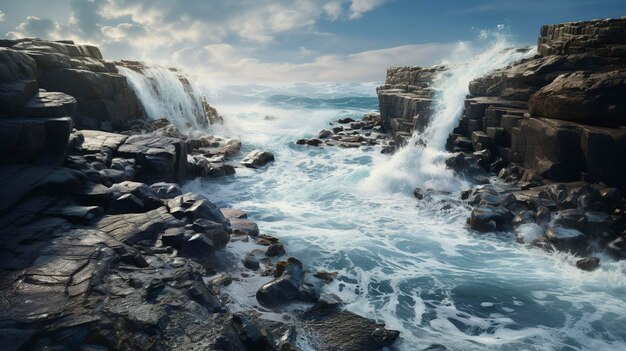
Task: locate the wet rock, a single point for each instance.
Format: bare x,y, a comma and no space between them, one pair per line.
283,289
324,133
326,277
487,219
275,250
250,261
588,263
342,330
244,226
257,158
166,190
204,209
345,120
567,239
314,142
233,213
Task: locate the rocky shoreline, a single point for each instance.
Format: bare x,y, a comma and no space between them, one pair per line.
550,127
102,249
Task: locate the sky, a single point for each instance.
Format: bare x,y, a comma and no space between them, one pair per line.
289,40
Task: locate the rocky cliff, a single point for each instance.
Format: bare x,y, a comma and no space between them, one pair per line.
560,114
405,99
99,97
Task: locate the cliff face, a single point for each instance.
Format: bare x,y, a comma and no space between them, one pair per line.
574,125
406,97
561,114
101,98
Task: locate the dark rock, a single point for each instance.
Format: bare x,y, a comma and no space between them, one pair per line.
345,120
588,263
285,288
314,142
166,190
487,219
244,226
347,331
257,158
275,250
324,133
567,239
250,261
233,213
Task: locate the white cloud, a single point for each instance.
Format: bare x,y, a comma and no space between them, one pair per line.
222,64
36,27
2,15
359,7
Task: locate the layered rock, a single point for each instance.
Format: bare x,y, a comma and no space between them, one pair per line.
101,96
406,97
561,114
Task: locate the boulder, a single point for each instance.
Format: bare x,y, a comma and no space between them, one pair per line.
283,289
567,239
488,219
159,158
617,248
588,263
244,226
257,158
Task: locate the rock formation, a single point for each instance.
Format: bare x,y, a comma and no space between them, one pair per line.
100,97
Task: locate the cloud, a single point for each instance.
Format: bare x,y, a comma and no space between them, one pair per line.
223,64
2,16
359,7
36,27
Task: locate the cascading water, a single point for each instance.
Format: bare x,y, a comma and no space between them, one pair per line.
407,263
421,161
165,93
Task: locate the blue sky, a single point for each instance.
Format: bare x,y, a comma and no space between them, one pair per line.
289,40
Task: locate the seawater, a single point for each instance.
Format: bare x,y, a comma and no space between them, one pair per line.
408,263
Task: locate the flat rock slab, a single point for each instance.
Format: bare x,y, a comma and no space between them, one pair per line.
95,140
135,227
50,104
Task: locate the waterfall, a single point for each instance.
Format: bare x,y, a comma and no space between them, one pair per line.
421,162
168,93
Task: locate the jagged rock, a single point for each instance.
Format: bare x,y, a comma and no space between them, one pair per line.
257,158
166,190
159,158
132,228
